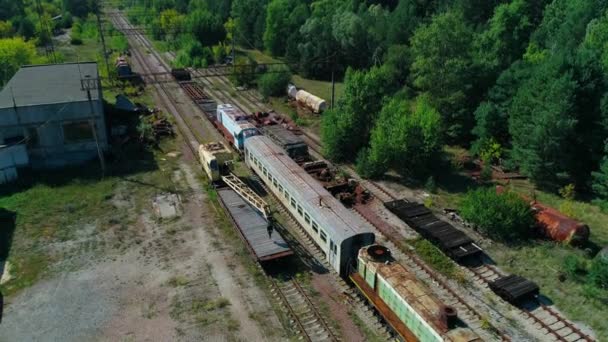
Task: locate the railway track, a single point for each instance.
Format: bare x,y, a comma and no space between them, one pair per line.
309,322
555,326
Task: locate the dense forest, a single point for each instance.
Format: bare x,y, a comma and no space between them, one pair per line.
521,83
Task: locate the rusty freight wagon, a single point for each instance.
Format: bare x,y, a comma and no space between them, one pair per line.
559,227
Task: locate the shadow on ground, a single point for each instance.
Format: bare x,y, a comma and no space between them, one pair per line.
7,228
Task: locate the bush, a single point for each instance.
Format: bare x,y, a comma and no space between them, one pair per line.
598,272
75,40
435,257
274,84
500,216
573,266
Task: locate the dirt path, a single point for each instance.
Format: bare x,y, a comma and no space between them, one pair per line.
220,268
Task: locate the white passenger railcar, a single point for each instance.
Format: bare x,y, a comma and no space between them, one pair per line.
336,230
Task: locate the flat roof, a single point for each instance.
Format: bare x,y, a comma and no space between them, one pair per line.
253,227
331,215
36,85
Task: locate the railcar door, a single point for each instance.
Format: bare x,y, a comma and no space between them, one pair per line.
330,255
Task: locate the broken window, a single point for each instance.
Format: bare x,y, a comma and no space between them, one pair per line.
74,132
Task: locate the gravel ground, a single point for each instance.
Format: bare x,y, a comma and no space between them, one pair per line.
169,281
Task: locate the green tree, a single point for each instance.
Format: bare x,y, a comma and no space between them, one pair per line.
273,84
503,216
10,8
318,46
406,137
171,22
442,67
542,124
250,19
14,52
507,35
600,178
346,129
206,27
598,272
283,20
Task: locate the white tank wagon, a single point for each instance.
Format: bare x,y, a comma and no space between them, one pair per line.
310,101
337,231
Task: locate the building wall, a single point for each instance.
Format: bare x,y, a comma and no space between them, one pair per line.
45,125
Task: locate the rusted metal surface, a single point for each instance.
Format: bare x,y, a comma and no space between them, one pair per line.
555,225
194,91
418,296
382,308
293,144
559,227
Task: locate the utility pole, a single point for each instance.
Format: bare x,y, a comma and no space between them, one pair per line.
102,162
233,53
333,83
48,47
103,41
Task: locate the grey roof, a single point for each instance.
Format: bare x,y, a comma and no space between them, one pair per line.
339,222
253,227
48,84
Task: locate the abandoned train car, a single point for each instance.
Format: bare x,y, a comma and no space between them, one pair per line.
235,125
409,307
337,231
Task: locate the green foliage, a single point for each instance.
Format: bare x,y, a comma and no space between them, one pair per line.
491,151
600,178
346,129
14,52
249,19
430,185
442,67
406,137
283,19
206,27
503,216
273,84
245,71
434,257
542,124
598,273
573,266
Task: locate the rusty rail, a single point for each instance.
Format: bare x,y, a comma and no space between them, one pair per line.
291,310
315,311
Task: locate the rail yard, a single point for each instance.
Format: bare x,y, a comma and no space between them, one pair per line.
292,246
455,243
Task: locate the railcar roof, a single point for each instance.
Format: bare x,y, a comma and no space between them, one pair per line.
339,222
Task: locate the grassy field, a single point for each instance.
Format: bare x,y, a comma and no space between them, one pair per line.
50,206
319,88
542,261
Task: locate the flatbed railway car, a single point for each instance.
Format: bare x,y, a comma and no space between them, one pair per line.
407,304
515,289
453,242
337,231
235,125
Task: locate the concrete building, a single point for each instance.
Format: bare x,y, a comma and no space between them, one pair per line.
47,108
